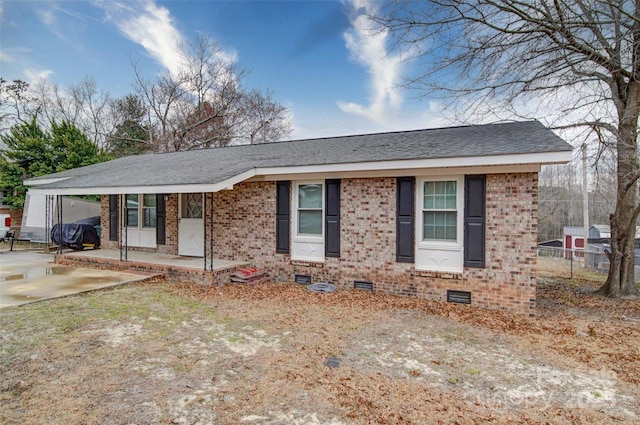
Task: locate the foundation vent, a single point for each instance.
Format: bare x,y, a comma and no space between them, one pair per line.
460,297
303,279
363,284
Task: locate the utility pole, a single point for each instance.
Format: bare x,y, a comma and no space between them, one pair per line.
585,202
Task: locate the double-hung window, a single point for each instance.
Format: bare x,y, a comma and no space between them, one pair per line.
439,235
440,211
149,210
308,221
140,217
133,210
310,209
141,210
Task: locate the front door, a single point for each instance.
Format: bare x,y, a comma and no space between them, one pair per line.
191,225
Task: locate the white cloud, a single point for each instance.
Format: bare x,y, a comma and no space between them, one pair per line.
153,27
4,57
33,75
67,31
47,17
367,45
149,25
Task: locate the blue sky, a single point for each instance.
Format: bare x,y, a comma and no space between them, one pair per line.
313,55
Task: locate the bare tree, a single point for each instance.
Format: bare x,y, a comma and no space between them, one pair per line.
579,59
82,104
16,103
263,120
561,196
560,200
204,104
162,99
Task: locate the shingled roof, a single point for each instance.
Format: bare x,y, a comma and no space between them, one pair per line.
217,165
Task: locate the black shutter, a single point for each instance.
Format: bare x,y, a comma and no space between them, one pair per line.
405,228
283,201
332,219
474,220
113,217
161,219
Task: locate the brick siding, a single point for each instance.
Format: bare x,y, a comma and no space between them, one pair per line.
244,230
244,227
171,226
105,243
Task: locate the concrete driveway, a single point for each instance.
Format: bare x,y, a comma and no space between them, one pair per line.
30,276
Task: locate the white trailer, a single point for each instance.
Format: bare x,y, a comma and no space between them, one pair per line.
34,220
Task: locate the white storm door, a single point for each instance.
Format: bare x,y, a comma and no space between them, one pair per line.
191,225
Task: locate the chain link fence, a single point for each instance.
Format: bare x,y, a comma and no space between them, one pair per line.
567,263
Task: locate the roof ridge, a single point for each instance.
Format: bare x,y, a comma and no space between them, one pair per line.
350,136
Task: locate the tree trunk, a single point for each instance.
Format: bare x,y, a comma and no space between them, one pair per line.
621,278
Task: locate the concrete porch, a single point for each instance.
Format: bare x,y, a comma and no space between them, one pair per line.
172,267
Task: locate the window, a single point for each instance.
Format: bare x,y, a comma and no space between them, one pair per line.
149,210
439,228
315,220
444,229
310,205
191,205
132,210
308,221
141,206
439,211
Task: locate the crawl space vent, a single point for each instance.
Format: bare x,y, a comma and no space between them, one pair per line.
363,284
459,297
303,279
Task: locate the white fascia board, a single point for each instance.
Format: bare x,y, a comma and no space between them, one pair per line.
496,169
36,181
475,161
183,188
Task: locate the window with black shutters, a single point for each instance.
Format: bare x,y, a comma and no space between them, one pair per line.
315,220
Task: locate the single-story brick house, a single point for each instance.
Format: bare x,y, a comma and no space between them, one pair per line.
422,213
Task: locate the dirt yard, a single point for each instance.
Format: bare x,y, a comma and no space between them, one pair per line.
159,353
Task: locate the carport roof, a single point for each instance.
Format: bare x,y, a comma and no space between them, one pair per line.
492,143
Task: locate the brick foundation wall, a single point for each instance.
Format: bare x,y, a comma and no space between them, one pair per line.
244,228
218,277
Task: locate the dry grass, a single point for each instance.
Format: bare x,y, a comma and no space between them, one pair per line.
183,353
